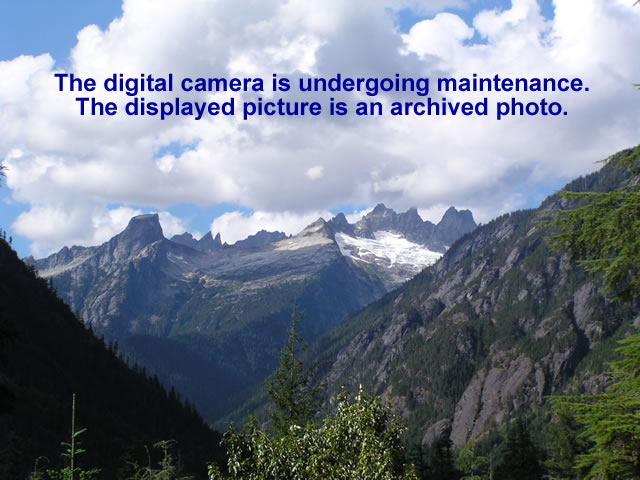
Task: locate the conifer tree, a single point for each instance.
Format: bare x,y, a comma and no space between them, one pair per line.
72,450
442,465
612,419
602,233
563,445
520,458
602,230
290,389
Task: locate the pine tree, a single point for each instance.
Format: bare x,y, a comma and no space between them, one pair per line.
612,419
290,389
471,464
563,445
602,231
73,472
520,458
442,466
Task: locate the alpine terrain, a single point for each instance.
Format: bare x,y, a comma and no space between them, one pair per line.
479,339
211,318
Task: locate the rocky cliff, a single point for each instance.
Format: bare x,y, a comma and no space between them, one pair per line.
482,336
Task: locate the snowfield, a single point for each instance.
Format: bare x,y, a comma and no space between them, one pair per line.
387,248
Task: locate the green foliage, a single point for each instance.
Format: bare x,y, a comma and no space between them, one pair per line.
471,464
611,419
290,389
442,464
563,444
363,440
602,231
520,459
72,449
168,468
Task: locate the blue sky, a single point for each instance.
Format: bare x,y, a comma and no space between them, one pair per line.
281,174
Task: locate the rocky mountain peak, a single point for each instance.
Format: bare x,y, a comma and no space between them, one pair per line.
260,239
455,223
141,231
339,223
208,243
185,239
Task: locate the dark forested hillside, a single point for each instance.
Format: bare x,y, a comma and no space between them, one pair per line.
47,355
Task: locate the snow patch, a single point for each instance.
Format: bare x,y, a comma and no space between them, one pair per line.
390,248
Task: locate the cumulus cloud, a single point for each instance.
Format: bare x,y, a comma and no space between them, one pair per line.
70,169
53,227
234,226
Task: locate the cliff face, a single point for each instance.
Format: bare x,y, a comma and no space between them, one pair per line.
485,334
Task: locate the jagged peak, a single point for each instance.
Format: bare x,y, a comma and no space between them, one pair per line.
452,213
208,244
380,209
339,223
318,223
207,236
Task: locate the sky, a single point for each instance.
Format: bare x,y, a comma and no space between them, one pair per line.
77,180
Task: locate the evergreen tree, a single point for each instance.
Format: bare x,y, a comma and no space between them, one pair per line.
471,464
602,231
563,444
612,419
290,389
520,459
416,457
442,465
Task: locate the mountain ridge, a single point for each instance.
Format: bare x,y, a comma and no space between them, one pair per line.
228,305
483,335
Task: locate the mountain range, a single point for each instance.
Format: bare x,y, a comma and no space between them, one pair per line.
483,336
211,318
466,334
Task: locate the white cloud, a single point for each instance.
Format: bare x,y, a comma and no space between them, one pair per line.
54,227
316,172
355,216
71,168
234,226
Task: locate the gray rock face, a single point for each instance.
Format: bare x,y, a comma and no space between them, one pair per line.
228,305
453,225
437,238
485,334
260,239
206,244
186,239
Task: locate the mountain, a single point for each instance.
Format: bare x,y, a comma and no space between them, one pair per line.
437,238
47,354
212,320
485,334
206,244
